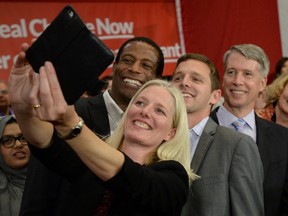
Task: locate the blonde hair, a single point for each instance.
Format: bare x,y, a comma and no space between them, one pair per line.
178,148
275,89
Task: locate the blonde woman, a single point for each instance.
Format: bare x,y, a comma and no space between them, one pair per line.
144,171
276,109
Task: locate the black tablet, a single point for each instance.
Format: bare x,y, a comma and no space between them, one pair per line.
79,56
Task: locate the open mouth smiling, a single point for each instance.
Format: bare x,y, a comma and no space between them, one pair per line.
142,125
132,82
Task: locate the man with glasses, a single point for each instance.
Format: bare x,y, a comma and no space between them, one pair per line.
14,157
5,108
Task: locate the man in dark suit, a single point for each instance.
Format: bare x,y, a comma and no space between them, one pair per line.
246,69
227,162
138,60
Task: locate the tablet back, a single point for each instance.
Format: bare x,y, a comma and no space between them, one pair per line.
79,57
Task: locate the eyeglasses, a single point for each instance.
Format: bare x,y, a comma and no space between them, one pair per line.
9,141
4,92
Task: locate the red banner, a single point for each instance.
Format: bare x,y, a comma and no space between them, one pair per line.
112,22
211,28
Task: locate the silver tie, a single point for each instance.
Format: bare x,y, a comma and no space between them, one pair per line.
239,124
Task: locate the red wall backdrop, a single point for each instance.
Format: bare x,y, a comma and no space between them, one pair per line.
209,27
112,21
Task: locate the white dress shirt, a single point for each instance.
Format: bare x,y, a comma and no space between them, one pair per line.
114,112
226,119
195,134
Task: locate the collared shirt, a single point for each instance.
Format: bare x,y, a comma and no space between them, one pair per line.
195,134
226,119
114,112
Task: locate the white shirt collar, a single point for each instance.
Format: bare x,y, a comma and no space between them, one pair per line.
226,118
114,111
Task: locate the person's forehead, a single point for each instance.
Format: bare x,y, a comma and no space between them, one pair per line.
156,93
237,59
137,45
192,65
11,128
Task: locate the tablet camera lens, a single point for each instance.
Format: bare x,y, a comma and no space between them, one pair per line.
71,13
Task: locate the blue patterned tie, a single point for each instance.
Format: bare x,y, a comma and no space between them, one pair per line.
239,124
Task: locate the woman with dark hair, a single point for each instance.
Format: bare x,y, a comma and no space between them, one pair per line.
14,157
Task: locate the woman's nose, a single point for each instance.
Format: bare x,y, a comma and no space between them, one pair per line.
145,112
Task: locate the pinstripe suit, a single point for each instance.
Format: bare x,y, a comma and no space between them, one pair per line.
272,141
231,175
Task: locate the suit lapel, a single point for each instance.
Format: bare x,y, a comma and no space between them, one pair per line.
203,145
94,112
99,115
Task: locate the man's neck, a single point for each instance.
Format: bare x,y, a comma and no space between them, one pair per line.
239,112
195,118
121,102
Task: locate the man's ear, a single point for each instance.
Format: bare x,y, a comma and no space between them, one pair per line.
263,83
215,97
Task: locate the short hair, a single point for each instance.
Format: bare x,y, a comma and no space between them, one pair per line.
160,62
275,89
279,66
178,148
253,52
214,74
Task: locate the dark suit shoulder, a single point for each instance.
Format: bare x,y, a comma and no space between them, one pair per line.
263,123
90,101
94,112
271,133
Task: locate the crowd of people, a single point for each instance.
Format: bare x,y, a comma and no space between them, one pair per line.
146,145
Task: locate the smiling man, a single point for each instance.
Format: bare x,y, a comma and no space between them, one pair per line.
227,162
246,68
138,60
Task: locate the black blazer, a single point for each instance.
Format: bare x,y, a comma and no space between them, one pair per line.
138,190
272,141
46,192
94,113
